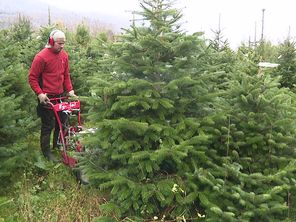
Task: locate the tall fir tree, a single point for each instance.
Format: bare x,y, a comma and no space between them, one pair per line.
151,111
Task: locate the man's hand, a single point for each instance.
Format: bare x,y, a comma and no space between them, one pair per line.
72,94
43,99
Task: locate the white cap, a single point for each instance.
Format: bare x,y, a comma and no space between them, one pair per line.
55,34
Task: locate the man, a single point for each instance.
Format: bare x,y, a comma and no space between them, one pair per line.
49,77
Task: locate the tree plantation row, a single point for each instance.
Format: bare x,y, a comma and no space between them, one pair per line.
187,128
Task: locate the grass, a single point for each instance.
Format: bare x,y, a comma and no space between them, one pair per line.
50,194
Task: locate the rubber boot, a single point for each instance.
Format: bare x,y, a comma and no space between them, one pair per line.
56,131
45,148
55,138
81,177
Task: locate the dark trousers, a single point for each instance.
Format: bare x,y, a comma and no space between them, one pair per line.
48,124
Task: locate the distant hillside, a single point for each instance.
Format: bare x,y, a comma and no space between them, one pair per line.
37,12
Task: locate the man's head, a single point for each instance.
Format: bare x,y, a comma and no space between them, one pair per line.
56,41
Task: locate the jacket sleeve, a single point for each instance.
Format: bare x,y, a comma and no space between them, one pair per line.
35,74
67,78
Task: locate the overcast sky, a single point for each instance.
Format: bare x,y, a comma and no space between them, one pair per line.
239,19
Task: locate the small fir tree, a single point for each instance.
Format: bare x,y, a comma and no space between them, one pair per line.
16,119
287,64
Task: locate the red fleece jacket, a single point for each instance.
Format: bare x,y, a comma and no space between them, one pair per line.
49,73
